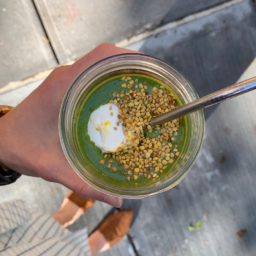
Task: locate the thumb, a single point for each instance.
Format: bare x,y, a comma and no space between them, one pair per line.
80,187
85,191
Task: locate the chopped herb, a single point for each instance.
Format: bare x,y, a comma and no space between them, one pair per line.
152,134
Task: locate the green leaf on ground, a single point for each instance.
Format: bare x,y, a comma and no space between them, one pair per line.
195,226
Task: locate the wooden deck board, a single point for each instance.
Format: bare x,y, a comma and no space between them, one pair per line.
75,27
220,189
24,48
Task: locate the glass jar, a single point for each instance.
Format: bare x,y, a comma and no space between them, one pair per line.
129,63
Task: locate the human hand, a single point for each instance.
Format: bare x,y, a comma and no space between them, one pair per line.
29,133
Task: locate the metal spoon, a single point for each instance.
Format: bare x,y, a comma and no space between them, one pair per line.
208,100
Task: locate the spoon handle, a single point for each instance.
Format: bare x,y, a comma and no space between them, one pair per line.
208,100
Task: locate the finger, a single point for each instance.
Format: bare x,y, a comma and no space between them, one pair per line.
92,193
102,51
64,76
71,180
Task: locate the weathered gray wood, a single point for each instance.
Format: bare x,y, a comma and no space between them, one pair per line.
37,193
220,189
211,51
180,9
76,26
24,49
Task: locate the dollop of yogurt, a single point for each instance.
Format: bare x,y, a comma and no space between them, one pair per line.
105,129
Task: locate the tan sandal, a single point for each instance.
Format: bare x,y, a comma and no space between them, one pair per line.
71,209
115,226
4,109
84,204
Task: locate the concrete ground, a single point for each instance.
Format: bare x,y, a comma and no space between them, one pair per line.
211,43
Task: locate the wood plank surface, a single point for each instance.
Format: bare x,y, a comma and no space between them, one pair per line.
76,26
220,189
24,48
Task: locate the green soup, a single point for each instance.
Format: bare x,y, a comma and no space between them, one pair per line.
90,155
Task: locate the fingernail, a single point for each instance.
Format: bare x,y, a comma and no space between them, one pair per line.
114,201
118,202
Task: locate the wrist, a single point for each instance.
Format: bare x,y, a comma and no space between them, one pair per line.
4,145
13,153
8,148
7,174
